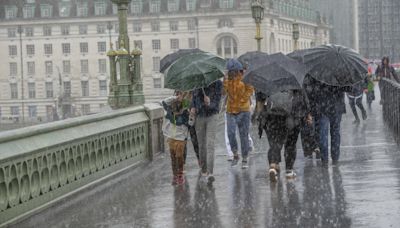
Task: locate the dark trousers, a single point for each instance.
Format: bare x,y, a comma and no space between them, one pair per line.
309,139
357,101
278,135
193,137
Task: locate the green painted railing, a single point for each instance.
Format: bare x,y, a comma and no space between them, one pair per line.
41,164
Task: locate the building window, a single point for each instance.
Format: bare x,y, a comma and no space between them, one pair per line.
101,29
101,46
84,48
225,4
67,89
46,10
11,12
31,90
155,26
191,24
64,9
82,29
156,45
100,8
137,26
102,65
14,90
46,31
225,23
28,31
49,90
66,67
13,69
65,30
31,68
190,5
82,9
85,108
174,44
12,50
66,48
137,6
48,67
155,6
103,87
32,111
227,47
12,32
49,112
192,42
173,5
14,110
173,25
138,44
157,83
30,49
48,49
85,88
156,64
28,11
84,66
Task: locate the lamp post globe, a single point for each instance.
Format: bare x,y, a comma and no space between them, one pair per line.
296,34
257,10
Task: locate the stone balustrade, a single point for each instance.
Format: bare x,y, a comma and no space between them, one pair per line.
41,164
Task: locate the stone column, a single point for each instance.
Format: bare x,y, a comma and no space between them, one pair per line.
138,96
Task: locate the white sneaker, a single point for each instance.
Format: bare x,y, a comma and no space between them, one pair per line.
290,173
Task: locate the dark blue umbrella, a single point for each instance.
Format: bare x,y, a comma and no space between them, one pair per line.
252,58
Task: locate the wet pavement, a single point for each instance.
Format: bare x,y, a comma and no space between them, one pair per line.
362,191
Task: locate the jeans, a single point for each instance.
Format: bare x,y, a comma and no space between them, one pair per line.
242,121
330,122
228,145
206,132
353,101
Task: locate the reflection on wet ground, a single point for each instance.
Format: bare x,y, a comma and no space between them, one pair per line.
362,191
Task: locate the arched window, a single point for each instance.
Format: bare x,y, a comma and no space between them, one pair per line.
227,47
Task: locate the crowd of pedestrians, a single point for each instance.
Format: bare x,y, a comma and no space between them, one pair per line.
314,112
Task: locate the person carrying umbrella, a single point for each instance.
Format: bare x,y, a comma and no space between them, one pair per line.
385,70
238,110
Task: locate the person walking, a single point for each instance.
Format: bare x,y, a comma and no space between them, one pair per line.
370,91
205,107
355,98
237,110
176,130
385,70
282,128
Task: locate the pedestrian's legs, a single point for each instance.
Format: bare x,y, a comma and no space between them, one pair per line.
172,151
231,128
202,140
323,135
335,121
243,121
193,137
276,133
352,104
228,146
306,139
210,134
290,146
361,107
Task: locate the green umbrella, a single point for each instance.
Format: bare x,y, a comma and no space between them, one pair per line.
194,71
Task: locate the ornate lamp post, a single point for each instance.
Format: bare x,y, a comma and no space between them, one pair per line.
296,34
128,90
257,10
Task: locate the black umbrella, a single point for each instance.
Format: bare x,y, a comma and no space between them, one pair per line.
333,64
253,58
168,60
276,77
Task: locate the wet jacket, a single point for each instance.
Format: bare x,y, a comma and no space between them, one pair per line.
238,95
176,124
214,91
387,72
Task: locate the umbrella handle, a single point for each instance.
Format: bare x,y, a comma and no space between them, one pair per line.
204,93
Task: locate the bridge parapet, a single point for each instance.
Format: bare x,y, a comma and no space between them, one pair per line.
390,98
43,163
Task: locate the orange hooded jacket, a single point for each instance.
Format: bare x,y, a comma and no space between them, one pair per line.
238,95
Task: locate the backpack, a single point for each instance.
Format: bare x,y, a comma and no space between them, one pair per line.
280,103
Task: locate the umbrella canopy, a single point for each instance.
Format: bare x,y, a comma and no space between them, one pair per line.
168,60
276,77
252,58
333,64
194,71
